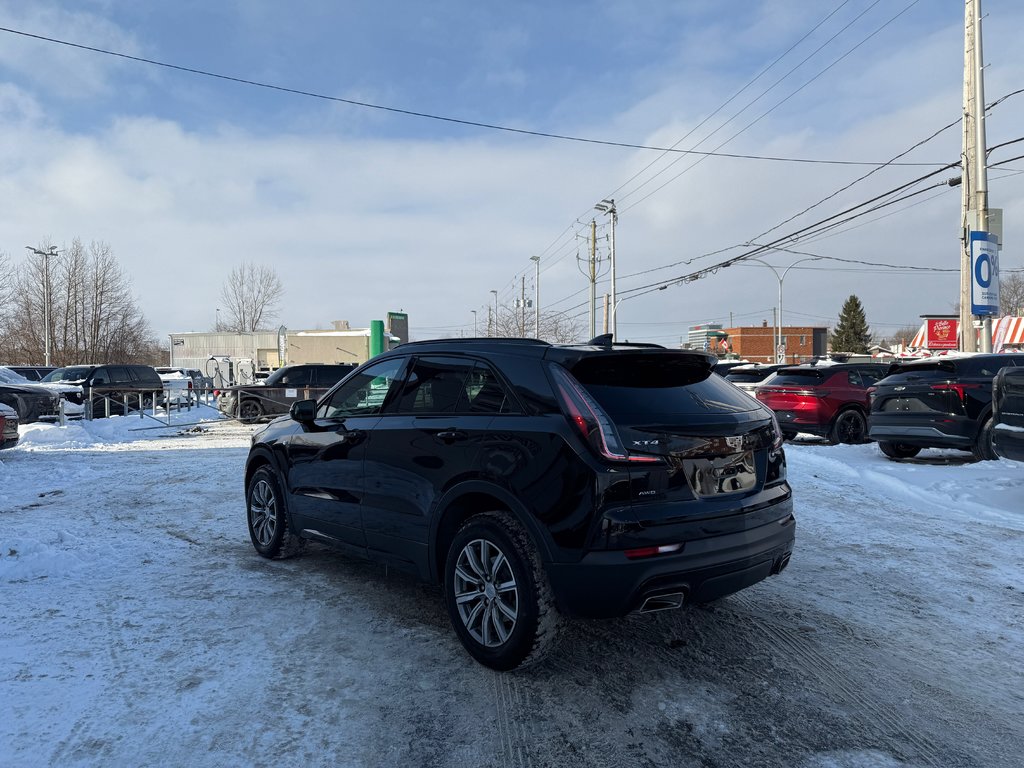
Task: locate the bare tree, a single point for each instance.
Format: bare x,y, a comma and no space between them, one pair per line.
1011,294
93,314
250,297
555,327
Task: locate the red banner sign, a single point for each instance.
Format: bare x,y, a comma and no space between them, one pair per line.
941,334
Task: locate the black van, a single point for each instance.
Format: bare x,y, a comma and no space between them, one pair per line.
120,387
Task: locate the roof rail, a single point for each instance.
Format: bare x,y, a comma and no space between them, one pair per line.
605,340
479,340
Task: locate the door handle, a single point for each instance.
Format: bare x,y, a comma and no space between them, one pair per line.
451,435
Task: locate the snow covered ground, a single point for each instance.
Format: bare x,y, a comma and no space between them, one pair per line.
138,627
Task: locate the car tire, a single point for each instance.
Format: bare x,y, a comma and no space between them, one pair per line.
267,517
983,448
898,450
498,597
849,427
250,411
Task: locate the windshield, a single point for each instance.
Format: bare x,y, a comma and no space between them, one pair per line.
71,373
7,376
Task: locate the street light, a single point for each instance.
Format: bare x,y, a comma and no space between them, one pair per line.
536,297
46,296
475,334
495,311
608,206
781,278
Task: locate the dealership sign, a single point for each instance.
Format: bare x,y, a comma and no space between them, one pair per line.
984,274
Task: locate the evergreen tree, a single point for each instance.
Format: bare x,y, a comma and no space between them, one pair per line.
851,333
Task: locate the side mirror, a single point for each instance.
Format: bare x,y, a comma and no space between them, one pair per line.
303,411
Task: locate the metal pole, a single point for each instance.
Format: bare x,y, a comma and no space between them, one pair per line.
495,311
593,278
536,297
46,305
474,322
980,161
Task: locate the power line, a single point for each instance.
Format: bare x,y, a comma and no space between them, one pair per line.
427,115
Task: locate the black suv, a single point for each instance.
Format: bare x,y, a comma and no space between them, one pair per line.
1008,413
532,480
112,388
274,395
942,402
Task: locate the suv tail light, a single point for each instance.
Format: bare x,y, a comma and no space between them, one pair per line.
958,388
590,419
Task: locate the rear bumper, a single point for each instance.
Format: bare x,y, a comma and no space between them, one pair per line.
605,584
942,432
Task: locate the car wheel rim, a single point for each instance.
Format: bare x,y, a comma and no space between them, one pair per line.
263,513
849,428
486,593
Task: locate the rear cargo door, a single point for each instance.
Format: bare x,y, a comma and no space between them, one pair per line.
711,438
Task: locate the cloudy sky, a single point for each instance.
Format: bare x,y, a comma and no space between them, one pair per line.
364,210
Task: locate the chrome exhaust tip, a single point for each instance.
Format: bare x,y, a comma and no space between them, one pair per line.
662,602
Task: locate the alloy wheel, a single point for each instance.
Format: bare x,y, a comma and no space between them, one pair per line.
263,513
486,593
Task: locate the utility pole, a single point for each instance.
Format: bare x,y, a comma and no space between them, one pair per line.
593,278
475,334
522,307
974,193
536,298
495,312
608,206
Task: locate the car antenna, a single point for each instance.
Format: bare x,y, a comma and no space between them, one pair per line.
604,340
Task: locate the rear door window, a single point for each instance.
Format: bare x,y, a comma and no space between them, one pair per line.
655,385
436,385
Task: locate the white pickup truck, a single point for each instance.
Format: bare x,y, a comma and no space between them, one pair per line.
178,386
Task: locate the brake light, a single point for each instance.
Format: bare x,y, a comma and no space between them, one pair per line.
590,419
777,437
958,388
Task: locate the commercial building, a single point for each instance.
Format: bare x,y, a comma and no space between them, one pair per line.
267,350
758,344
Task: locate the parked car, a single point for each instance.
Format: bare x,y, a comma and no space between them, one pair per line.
32,372
532,480
30,401
200,382
179,386
121,387
830,401
70,393
748,377
1008,413
8,426
941,402
274,395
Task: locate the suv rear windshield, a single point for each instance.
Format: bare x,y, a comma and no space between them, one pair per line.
657,385
800,377
950,368
747,376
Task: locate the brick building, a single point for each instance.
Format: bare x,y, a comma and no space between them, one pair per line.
756,343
